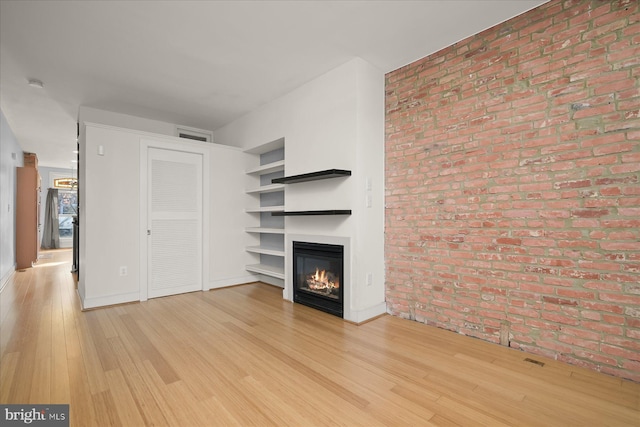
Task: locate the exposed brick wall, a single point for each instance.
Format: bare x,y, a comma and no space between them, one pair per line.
513,185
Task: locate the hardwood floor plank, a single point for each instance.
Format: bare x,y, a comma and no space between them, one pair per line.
611,390
90,355
183,414
305,370
22,380
321,365
145,402
59,356
81,407
215,413
104,320
188,409
106,409
452,417
164,369
103,351
534,388
243,356
8,368
277,380
509,412
41,381
122,398
469,412
279,412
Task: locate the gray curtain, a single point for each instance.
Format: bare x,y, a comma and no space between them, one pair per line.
51,232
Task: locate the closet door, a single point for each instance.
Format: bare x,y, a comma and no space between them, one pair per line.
174,218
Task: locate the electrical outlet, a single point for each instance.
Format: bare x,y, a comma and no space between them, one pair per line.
123,270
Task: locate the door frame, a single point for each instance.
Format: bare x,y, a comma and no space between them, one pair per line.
65,242
184,146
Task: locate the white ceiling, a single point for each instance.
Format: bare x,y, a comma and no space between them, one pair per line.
202,63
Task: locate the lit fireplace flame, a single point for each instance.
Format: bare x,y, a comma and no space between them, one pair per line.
320,276
323,280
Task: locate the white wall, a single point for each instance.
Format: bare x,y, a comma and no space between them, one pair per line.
110,230
227,239
370,184
109,216
335,121
9,148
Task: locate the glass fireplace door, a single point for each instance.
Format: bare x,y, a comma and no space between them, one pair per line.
318,270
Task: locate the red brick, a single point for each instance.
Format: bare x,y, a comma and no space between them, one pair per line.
559,301
620,299
620,246
589,213
515,193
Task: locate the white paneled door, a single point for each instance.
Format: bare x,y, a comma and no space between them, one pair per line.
174,222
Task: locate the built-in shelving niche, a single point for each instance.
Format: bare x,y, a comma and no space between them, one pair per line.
265,199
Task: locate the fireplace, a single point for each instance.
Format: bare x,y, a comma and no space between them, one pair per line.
318,275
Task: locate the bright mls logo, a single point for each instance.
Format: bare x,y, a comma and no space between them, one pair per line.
35,415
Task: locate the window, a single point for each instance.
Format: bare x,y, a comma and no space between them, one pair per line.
67,208
67,202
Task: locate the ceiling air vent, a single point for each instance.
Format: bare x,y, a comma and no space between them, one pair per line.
195,134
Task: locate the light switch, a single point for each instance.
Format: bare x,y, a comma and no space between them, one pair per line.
100,150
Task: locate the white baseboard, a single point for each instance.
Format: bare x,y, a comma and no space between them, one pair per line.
232,281
274,281
6,277
88,303
103,301
359,316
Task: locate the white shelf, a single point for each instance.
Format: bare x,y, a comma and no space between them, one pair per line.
266,209
268,168
267,270
264,230
265,148
267,243
265,251
266,189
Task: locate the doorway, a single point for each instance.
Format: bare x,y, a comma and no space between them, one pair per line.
174,222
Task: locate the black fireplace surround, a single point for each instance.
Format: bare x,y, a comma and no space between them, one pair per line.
318,270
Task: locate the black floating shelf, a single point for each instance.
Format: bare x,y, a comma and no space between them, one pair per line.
307,213
312,176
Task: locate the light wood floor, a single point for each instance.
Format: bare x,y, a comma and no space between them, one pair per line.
243,356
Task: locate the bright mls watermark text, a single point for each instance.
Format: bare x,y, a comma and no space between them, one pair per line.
34,415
